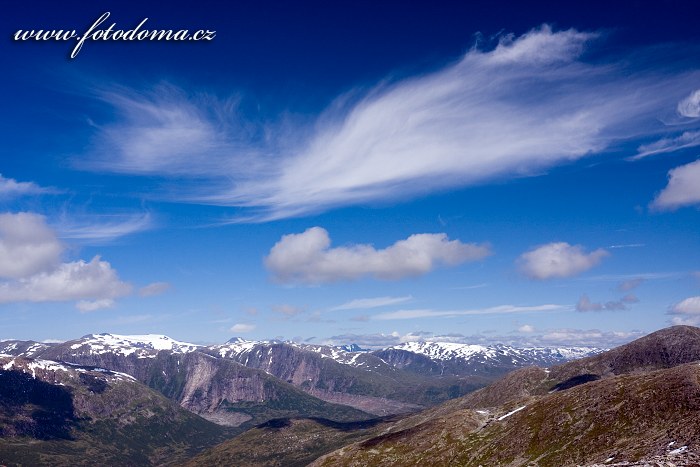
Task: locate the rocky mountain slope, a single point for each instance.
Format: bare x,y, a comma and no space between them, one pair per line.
233,383
636,403
288,442
59,414
219,389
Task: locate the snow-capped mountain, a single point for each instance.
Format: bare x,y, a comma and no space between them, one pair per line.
143,346
442,351
27,349
446,358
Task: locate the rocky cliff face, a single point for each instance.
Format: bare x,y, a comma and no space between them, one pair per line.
218,389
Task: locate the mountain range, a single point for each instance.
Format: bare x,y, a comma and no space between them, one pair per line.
285,403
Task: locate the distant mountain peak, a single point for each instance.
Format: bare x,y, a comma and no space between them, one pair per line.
236,340
351,348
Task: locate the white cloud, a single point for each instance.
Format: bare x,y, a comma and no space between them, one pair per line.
687,139
242,327
308,257
9,187
558,259
160,132
367,303
529,104
686,320
87,306
69,281
526,328
501,309
686,312
156,288
690,106
27,245
30,263
683,188
689,306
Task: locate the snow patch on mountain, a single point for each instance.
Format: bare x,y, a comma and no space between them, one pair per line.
29,365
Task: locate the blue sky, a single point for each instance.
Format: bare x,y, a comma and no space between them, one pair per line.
353,172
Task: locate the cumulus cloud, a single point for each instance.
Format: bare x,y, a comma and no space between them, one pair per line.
690,106
558,259
683,188
686,312
156,288
526,328
27,245
69,281
30,263
308,257
242,328
689,306
367,303
9,188
529,104
495,310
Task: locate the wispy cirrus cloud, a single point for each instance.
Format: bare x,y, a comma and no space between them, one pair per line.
102,228
367,303
530,103
558,259
155,288
496,310
308,258
686,140
683,188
